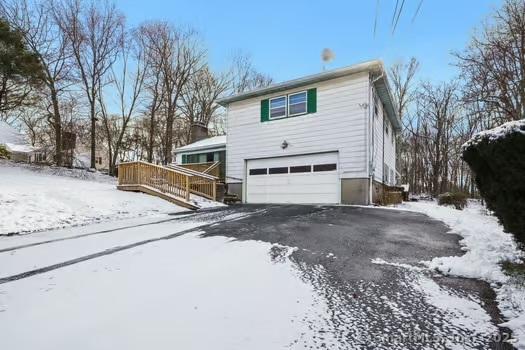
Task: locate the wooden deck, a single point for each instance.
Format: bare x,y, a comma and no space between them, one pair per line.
174,184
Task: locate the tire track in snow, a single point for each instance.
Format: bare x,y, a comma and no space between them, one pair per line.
117,249
29,245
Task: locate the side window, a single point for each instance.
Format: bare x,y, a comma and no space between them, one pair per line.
297,103
278,107
294,104
376,107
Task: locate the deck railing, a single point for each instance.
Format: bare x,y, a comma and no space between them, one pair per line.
211,168
176,181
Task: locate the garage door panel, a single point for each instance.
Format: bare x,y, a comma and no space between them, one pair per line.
325,188
301,187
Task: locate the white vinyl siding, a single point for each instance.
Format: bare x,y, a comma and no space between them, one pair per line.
338,125
379,130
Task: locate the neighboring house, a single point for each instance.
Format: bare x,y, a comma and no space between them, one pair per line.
324,138
16,144
82,157
207,150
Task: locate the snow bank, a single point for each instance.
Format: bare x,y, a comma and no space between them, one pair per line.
33,200
516,126
486,246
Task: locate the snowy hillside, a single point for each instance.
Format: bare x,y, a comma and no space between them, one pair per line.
41,198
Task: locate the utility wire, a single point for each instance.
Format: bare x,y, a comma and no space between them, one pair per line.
398,15
377,16
394,15
417,10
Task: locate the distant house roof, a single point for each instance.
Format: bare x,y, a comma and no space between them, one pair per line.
375,67
209,143
14,140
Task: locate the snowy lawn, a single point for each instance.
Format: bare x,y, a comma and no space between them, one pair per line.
32,199
486,246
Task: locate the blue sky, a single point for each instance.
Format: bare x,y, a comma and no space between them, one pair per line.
285,38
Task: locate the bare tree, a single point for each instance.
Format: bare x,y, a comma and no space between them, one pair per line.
244,75
439,110
95,34
128,87
199,98
49,44
179,56
401,75
154,87
493,65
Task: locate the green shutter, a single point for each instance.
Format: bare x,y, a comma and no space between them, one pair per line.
312,100
265,110
184,159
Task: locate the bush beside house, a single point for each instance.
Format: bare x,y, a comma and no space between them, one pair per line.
4,153
497,158
457,199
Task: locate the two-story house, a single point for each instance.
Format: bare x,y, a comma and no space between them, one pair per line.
324,138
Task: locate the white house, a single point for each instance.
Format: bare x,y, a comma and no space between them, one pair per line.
17,146
324,138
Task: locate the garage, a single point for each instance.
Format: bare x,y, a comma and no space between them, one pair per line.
310,178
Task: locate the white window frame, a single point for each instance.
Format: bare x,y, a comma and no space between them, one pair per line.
305,103
285,107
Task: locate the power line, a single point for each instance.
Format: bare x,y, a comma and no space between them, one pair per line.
377,15
394,14
417,10
398,15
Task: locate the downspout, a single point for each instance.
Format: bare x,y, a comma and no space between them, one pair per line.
372,149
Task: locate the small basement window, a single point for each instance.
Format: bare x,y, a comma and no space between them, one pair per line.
260,171
301,169
325,167
297,103
280,170
278,107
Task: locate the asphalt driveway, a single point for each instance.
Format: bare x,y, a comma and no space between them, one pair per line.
358,258
338,277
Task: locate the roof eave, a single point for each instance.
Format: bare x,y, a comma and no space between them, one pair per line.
383,89
200,148
368,66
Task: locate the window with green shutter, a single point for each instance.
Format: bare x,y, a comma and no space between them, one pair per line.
312,100
291,105
265,110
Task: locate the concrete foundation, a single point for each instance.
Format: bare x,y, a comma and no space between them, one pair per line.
235,188
354,191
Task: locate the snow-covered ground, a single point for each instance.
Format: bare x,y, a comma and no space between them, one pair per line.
36,198
486,246
175,292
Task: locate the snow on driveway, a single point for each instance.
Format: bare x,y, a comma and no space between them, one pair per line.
32,201
184,293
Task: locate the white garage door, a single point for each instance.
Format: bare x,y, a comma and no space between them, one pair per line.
296,179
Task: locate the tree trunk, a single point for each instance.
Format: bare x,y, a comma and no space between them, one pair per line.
57,124
93,131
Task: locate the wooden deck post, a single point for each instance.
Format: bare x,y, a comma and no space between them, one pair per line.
214,190
187,188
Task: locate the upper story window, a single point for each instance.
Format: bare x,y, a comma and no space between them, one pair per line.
297,103
278,107
289,105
